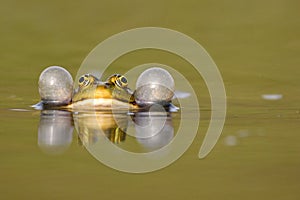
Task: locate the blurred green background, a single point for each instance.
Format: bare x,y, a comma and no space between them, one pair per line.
256,45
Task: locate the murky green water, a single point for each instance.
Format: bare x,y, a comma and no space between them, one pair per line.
255,45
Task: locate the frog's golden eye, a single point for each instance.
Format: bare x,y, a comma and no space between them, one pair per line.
83,81
121,81
86,80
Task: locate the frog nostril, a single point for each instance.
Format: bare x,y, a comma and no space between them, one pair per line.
86,82
118,83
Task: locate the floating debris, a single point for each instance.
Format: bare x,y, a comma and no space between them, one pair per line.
181,94
19,110
230,140
243,133
272,97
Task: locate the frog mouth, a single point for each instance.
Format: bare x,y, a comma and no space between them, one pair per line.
100,104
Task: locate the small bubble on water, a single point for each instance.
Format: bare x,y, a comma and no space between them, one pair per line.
243,133
230,140
272,97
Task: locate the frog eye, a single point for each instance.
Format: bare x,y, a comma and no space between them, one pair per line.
122,81
85,80
81,79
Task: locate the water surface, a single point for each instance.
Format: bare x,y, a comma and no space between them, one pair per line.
255,45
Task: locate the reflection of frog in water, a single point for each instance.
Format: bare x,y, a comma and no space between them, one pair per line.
56,128
92,91
115,135
94,126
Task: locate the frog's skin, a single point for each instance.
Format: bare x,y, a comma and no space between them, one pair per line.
93,94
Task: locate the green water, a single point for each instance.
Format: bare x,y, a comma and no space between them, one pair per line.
255,45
